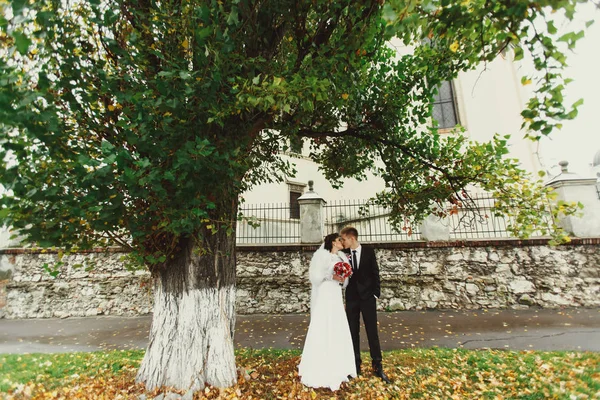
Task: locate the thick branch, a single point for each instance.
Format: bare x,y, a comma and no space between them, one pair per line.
357,132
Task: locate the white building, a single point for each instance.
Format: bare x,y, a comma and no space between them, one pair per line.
485,101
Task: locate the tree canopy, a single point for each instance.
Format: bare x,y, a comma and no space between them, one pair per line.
140,122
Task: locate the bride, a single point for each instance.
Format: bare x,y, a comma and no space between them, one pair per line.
328,355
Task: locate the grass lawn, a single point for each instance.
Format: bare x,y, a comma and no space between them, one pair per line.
271,374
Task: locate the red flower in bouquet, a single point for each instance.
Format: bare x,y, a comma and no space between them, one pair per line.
342,269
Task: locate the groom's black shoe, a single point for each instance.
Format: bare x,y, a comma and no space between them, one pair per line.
378,371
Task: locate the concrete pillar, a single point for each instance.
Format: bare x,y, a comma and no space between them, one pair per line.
312,221
570,187
435,229
7,240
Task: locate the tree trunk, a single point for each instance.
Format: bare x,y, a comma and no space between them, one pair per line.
191,339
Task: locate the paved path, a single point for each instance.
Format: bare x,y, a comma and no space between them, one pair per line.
569,329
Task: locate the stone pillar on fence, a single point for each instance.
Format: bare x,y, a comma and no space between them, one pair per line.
570,187
312,227
435,229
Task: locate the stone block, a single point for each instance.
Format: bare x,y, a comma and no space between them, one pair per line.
502,268
430,268
522,286
396,305
479,256
455,256
472,289
556,299
527,300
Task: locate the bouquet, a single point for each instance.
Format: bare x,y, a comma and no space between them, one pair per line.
342,269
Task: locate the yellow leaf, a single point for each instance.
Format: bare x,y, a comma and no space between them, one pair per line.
345,96
185,44
454,47
111,108
527,82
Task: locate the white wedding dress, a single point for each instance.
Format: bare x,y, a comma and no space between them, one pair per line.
328,355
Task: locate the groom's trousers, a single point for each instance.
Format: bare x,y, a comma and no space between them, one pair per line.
368,309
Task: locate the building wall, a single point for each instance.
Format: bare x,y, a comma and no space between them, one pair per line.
414,276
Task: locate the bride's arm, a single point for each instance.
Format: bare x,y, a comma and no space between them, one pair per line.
321,267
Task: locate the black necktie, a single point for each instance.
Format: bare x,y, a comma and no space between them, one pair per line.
354,261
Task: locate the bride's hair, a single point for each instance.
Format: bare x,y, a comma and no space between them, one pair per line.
329,239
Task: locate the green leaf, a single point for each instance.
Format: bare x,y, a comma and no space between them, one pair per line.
577,103
389,14
22,42
18,6
233,17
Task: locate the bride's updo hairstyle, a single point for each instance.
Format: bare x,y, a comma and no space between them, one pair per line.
329,239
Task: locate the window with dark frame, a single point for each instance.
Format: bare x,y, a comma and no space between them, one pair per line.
444,106
294,205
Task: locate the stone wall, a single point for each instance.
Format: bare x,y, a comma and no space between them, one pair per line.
416,275
77,290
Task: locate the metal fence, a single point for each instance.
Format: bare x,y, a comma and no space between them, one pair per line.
278,223
479,222
371,221
268,223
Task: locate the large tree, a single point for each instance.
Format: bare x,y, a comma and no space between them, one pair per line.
140,123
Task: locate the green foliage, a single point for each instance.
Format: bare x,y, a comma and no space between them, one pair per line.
140,123
55,370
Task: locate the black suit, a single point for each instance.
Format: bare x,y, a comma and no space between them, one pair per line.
364,285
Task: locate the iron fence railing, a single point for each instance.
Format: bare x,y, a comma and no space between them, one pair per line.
371,221
279,223
268,223
477,221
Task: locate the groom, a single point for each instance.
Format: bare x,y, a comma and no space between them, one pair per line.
361,297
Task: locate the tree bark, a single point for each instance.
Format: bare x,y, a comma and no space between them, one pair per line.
191,338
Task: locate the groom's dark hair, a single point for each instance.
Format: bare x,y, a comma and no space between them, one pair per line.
350,230
329,239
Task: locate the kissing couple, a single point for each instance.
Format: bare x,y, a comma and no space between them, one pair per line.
331,352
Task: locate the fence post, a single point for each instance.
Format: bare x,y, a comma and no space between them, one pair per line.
435,229
312,225
571,187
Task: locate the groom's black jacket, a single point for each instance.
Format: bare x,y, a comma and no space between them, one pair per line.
365,282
